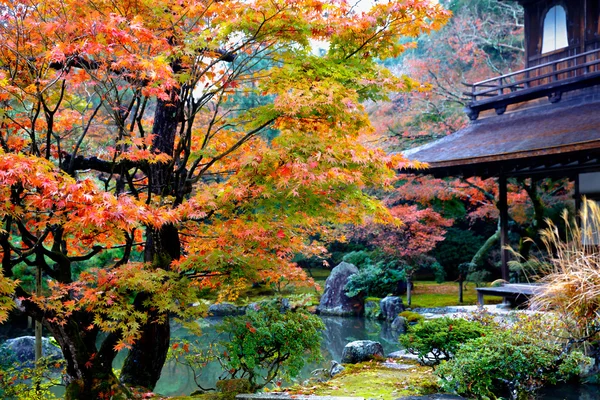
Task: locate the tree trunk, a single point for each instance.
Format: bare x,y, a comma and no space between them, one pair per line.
89,372
147,356
483,250
408,290
38,323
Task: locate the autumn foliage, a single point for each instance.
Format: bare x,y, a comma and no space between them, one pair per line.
202,142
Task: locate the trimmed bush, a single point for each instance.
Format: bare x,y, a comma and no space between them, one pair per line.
438,339
266,344
507,364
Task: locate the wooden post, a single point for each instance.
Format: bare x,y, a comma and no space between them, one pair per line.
577,196
503,207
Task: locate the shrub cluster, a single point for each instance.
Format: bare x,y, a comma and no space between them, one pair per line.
507,364
486,360
438,339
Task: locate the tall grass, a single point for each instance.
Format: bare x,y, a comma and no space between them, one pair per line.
571,273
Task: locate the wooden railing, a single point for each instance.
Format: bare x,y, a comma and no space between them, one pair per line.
548,79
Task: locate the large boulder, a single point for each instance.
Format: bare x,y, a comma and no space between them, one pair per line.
399,325
225,310
390,307
22,349
334,300
437,396
361,350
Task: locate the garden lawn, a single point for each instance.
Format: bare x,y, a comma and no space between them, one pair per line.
428,294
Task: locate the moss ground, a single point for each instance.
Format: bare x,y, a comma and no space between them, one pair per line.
432,294
371,380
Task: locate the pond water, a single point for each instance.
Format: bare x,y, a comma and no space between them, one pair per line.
571,392
178,380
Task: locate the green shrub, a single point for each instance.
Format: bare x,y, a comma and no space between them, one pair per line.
359,258
266,344
507,363
459,246
438,339
438,272
377,280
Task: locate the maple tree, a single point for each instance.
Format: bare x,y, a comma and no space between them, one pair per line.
408,243
530,203
121,130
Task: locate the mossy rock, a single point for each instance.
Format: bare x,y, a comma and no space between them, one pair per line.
229,388
372,380
412,317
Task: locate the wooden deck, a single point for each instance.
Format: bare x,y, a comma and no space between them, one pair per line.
549,79
516,293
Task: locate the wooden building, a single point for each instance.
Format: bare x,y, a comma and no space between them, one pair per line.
541,121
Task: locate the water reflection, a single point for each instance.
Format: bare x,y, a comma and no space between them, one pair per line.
178,380
571,392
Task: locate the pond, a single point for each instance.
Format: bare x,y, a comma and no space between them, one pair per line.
178,380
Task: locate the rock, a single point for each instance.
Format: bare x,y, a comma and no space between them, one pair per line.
317,376
229,388
372,309
334,300
283,303
436,396
361,350
224,310
336,368
391,306
403,355
429,359
399,325
394,365
22,349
